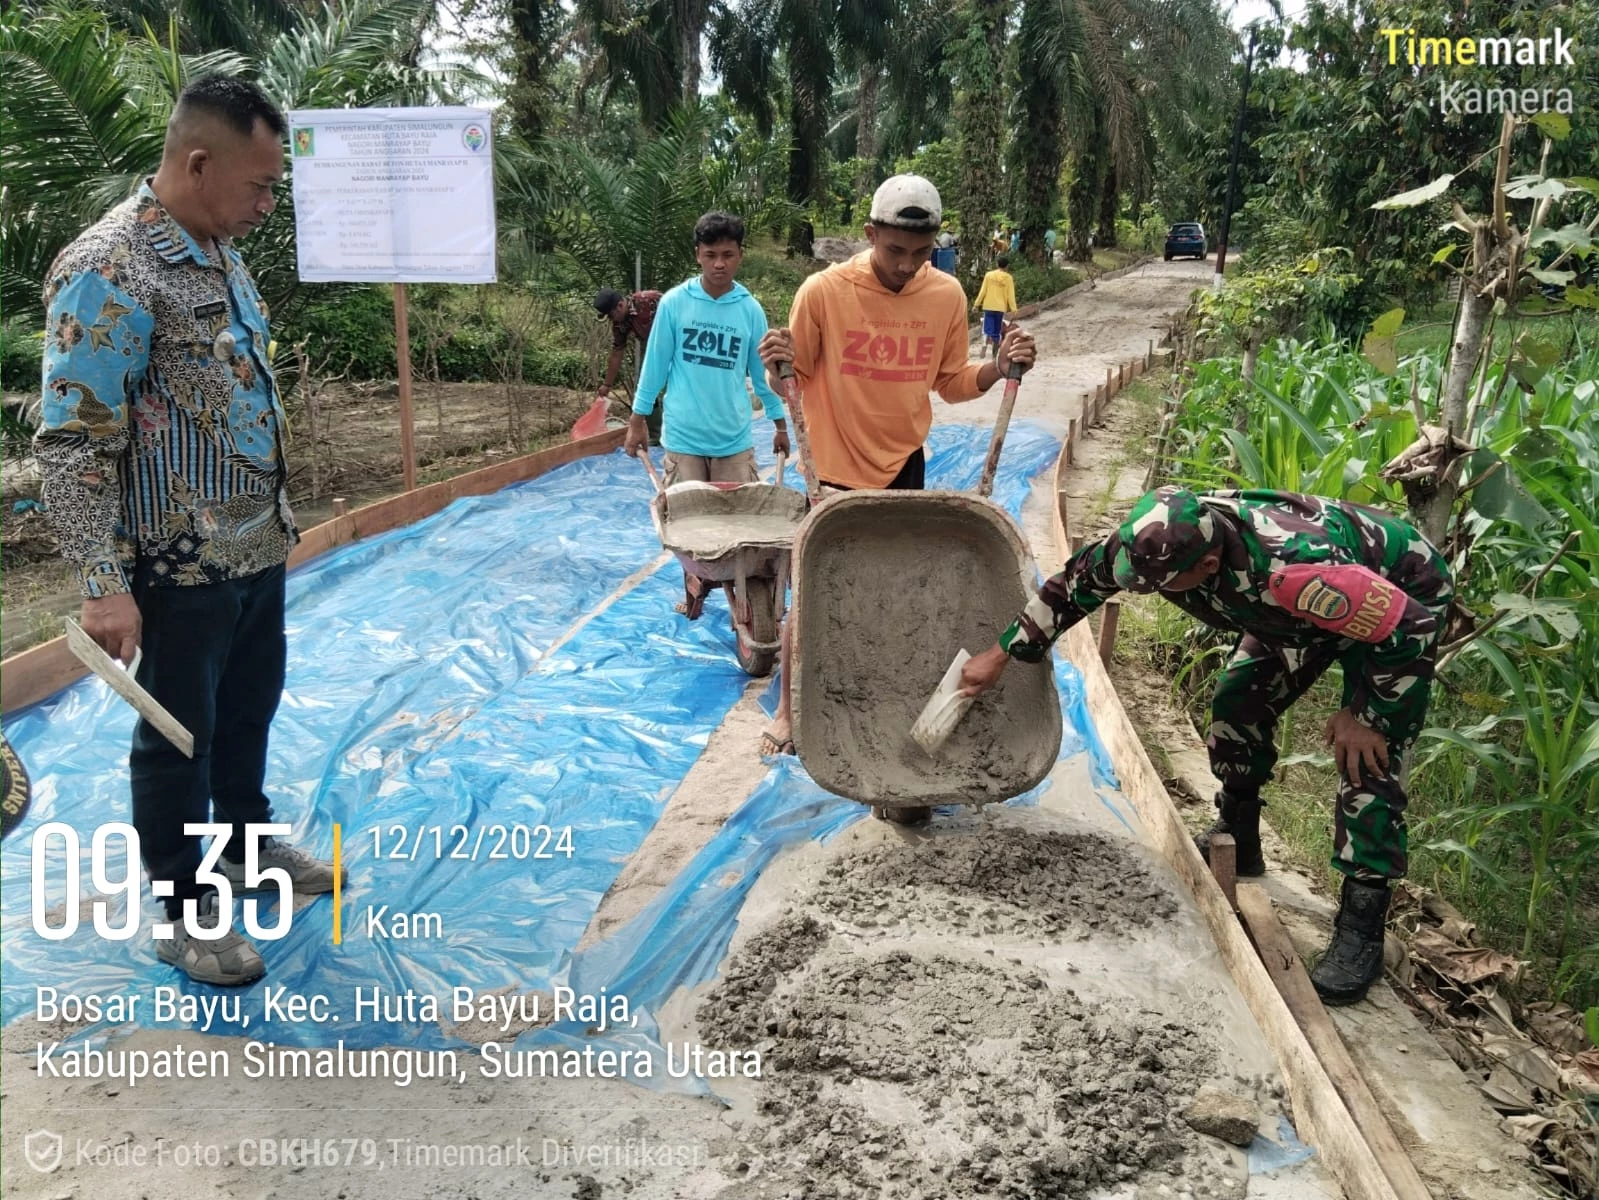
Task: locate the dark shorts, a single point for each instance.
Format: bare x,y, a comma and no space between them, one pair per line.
993,324
912,476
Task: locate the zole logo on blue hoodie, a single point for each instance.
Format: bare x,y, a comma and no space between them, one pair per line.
712,347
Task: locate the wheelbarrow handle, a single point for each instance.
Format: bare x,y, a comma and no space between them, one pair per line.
813,485
985,485
655,478
782,464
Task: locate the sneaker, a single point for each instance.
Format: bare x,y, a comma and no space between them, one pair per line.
308,875
228,961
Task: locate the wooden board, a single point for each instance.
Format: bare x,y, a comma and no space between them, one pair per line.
1299,994
41,672
1320,1115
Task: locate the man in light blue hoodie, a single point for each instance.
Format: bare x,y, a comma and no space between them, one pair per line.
701,351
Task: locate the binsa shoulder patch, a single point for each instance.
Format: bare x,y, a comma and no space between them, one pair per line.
1342,598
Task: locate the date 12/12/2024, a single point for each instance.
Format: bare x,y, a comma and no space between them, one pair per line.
484,843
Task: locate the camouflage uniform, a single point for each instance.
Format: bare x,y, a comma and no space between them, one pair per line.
1305,582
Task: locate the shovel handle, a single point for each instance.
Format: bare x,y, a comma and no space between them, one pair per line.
1007,402
813,485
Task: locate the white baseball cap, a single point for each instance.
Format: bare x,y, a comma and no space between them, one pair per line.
907,202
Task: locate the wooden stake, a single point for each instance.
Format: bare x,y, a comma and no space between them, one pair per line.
1288,973
340,506
1110,617
1071,441
402,348
1224,865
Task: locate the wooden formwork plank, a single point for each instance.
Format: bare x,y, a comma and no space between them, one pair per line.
1299,994
36,674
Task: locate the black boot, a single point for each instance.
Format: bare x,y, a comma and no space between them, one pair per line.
1353,961
1240,816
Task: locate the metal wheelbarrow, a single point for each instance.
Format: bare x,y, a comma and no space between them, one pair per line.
738,535
888,585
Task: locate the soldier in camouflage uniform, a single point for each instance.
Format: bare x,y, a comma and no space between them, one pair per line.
1305,582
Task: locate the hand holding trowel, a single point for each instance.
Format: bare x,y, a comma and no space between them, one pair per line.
943,712
121,680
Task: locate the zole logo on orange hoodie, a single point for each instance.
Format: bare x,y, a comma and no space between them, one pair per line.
885,358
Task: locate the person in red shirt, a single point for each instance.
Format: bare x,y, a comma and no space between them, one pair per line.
630,316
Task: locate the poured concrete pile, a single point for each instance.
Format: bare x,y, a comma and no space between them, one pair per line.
933,1064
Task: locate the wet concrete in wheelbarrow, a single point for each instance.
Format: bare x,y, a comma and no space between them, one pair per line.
888,586
709,522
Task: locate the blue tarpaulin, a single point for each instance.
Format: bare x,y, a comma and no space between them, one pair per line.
422,695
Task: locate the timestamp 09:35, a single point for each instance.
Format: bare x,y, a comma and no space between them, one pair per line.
485,843
111,879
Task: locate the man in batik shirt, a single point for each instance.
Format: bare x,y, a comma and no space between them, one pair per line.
161,445
1304,582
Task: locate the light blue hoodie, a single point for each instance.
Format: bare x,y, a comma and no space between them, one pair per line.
701,350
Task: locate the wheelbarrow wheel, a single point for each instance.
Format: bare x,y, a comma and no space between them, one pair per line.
759,602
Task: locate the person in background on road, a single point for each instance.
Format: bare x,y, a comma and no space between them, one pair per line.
631,317
995,298
708,330
161,444
869,339
1050,238
1305,582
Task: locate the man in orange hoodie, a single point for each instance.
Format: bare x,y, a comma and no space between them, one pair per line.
870,338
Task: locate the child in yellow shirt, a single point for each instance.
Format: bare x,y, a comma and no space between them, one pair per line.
995,298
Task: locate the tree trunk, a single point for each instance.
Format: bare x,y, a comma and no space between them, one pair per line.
1241,405
1493,272
1037,145
980,125
1082,200
532,26
1109,195
689,17
870,87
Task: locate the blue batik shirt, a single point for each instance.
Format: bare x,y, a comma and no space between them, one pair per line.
161,431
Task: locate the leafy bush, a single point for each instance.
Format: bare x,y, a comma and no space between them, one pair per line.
1035,283
1149,235
21,357
354,332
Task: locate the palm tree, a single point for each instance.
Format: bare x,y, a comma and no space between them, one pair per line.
980,122
606,217
84,108
1096,75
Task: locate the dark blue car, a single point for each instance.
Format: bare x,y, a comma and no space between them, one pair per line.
1186,238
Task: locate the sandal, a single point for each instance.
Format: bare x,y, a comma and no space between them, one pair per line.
693,603
771,744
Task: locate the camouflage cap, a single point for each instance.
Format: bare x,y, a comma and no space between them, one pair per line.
1167,532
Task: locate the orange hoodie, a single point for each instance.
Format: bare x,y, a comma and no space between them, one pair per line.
866,359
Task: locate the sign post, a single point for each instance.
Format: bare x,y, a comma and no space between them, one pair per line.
394,195
402,352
